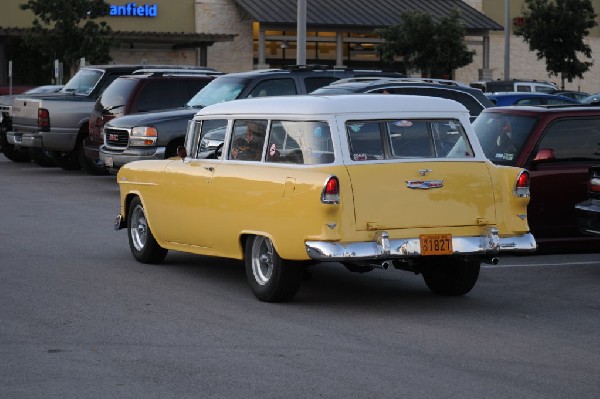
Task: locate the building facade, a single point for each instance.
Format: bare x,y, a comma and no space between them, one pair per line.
239,35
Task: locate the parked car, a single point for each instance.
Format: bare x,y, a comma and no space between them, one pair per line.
473,99
557,145
370,181
44,89
502,99
593,99
496,86
57,123
149,91
575,95
155,135
588,211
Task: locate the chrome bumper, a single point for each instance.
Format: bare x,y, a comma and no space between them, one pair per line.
116,159
33,140
382,247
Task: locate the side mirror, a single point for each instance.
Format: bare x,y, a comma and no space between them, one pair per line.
181,152
544,154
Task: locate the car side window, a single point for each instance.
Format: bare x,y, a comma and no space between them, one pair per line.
300,142
274,87
247,139
160,94
407,138
365,140
528,101
212,137
573,140
314,83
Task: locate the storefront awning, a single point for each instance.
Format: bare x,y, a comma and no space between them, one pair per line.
176,40
369,14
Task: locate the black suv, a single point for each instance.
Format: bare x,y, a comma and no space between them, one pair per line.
144,91
473,99
157,135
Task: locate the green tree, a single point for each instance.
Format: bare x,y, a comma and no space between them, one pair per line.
434,48
555,29
67,30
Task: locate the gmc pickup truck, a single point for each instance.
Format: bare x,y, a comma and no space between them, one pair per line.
59,123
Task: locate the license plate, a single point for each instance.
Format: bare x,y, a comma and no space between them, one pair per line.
436,244
108,161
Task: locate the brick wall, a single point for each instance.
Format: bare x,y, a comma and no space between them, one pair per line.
224,17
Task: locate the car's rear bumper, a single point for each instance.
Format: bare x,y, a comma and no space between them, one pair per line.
382,248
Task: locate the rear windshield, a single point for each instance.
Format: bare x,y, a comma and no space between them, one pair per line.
218,91
502,135
407,138
83,82
113,99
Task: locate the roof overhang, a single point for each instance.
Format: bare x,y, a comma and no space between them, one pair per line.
362,14
176,40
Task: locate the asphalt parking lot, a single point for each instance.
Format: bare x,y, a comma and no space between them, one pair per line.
79,317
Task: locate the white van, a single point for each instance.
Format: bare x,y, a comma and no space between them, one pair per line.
496,86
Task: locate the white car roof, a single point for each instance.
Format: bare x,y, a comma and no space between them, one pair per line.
336,104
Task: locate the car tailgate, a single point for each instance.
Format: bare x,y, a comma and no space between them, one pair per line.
422,194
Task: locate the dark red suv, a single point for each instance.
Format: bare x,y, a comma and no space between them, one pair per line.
142,92
557,145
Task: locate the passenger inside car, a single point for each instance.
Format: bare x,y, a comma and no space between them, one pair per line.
248,143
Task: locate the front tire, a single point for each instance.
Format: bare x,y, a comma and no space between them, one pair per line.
271,279
452,276
92,166
142,243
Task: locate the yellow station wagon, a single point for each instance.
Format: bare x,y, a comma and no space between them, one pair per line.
368,181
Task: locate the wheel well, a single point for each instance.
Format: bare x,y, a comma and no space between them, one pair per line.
128,200
243,240
84,131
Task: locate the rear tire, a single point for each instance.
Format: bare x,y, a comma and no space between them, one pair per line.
271,278
66,160
15,154
142,243
41,157
451,276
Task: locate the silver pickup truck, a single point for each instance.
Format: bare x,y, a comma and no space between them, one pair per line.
57,124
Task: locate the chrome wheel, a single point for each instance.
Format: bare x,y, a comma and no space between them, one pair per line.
139,228
142,243
262,260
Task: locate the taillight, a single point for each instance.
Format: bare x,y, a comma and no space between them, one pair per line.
331,191
522,185
44,119
595,184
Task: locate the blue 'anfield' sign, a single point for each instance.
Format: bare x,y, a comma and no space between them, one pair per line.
133,10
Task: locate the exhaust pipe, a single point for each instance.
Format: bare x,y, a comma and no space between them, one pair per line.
385,265
491,261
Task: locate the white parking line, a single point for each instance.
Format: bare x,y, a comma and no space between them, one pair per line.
500,264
